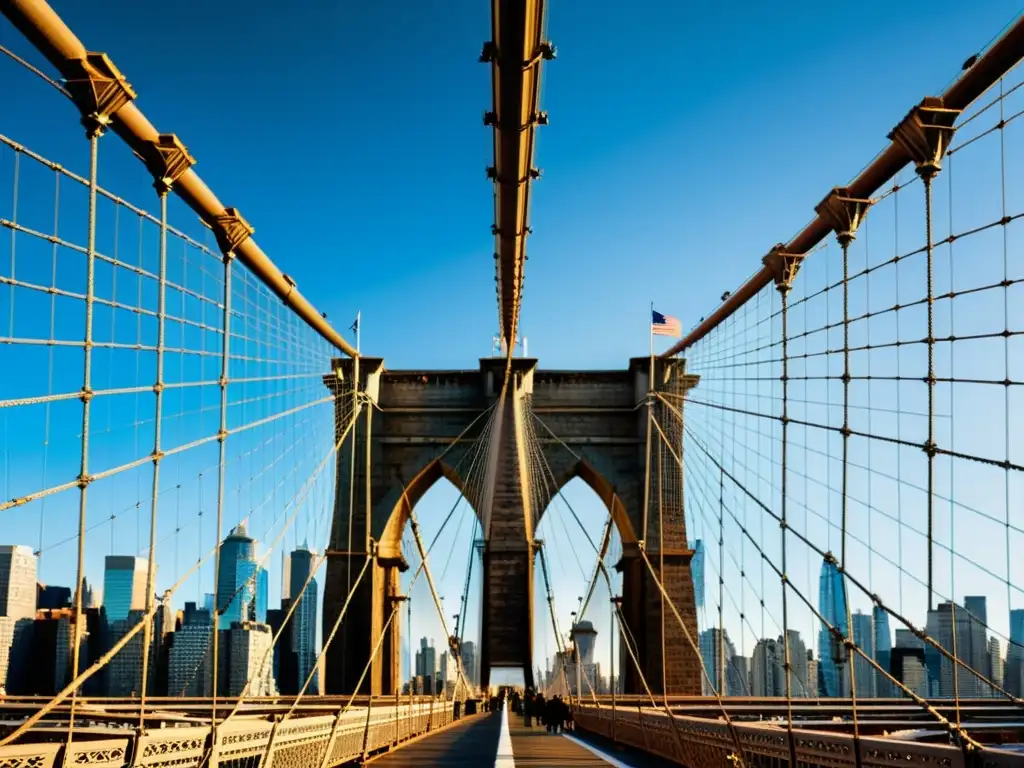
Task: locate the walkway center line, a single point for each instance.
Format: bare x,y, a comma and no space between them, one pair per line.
504,757
589,747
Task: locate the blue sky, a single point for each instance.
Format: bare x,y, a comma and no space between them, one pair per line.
684,142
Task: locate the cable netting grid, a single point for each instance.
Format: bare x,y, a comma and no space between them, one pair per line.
976,518
278,431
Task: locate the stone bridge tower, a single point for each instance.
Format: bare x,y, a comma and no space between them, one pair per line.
415,427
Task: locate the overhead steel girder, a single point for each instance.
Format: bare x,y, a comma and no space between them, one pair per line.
515,53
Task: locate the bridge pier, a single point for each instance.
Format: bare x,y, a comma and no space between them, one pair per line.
508,521
414,427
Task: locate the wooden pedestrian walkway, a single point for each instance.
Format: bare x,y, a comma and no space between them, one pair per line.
473,741
535,747
502,739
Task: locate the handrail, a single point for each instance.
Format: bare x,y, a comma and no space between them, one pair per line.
982,75
41,25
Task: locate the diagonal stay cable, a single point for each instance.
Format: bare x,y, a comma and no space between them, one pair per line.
126,638
695,648
922,634
337,624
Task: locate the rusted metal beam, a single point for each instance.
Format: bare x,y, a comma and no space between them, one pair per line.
515,54
982,75
41,25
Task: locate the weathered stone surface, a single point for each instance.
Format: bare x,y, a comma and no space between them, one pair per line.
590,424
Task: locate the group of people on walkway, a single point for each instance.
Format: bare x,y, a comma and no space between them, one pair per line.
554,713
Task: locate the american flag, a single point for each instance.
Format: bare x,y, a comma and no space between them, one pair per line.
665,325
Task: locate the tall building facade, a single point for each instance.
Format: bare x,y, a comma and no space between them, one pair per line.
303,630
737,677
976,652
766,674
995,664
469,661
717,652
697,569
190,663
801,685
832,653
241,582
17,615
426,664
883,652
863,638
953,628
124,672
124,586
1013,669
251,660
908,667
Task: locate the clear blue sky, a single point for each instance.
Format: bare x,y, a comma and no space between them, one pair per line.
684,141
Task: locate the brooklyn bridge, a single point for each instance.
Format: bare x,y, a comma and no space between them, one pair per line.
808,540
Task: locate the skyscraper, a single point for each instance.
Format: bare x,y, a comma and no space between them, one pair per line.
469,661
252,660
995,663
717,652
1013,670
238,580
426,664
800,685
766,674
976,652
883,652
17,614
863,638
190,666
303,634
697,569
832,654
124,586
951,627
124,670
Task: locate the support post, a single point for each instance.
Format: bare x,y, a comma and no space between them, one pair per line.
507,611
355,383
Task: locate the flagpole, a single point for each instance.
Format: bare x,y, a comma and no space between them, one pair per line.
359,328
650,329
